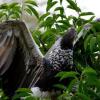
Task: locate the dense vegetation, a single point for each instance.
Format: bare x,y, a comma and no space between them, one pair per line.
86,50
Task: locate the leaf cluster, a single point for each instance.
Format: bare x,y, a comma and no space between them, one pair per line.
14,11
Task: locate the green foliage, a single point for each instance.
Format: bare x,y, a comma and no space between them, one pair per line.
14,10
85,87
85,84
24,94
2,95
9,11
50,4
73,5
29,7
64,75
86,13
56,23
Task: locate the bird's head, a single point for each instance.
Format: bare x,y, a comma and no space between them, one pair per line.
68,38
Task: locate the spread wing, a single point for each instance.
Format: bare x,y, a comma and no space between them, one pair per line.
7,48
19,55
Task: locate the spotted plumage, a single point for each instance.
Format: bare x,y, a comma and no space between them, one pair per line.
60,58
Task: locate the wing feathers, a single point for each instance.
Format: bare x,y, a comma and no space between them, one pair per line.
6,51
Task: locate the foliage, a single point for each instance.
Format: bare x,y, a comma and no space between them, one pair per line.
24,94
85,87
15,10
56,23
85,84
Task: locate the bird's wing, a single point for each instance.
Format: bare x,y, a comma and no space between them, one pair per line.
7,47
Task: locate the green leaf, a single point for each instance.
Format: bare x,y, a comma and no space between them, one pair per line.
91,19
17,8
92,43
64,22
69,6
96,25
82,96
73,6
60,86
61,9
49,22
24,90
93,93
34,11
15,15
12,5
2,14
90,77
32,98
87,41
4,6
20,95
89,70
31,2
64,75
55,16
44,16
86,13
72,84
50,5
61,1
49,1
61,15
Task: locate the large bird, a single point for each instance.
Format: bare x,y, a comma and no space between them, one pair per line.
23,65
19,55
59,58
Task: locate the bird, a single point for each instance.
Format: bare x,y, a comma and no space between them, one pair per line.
58,58
22,61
